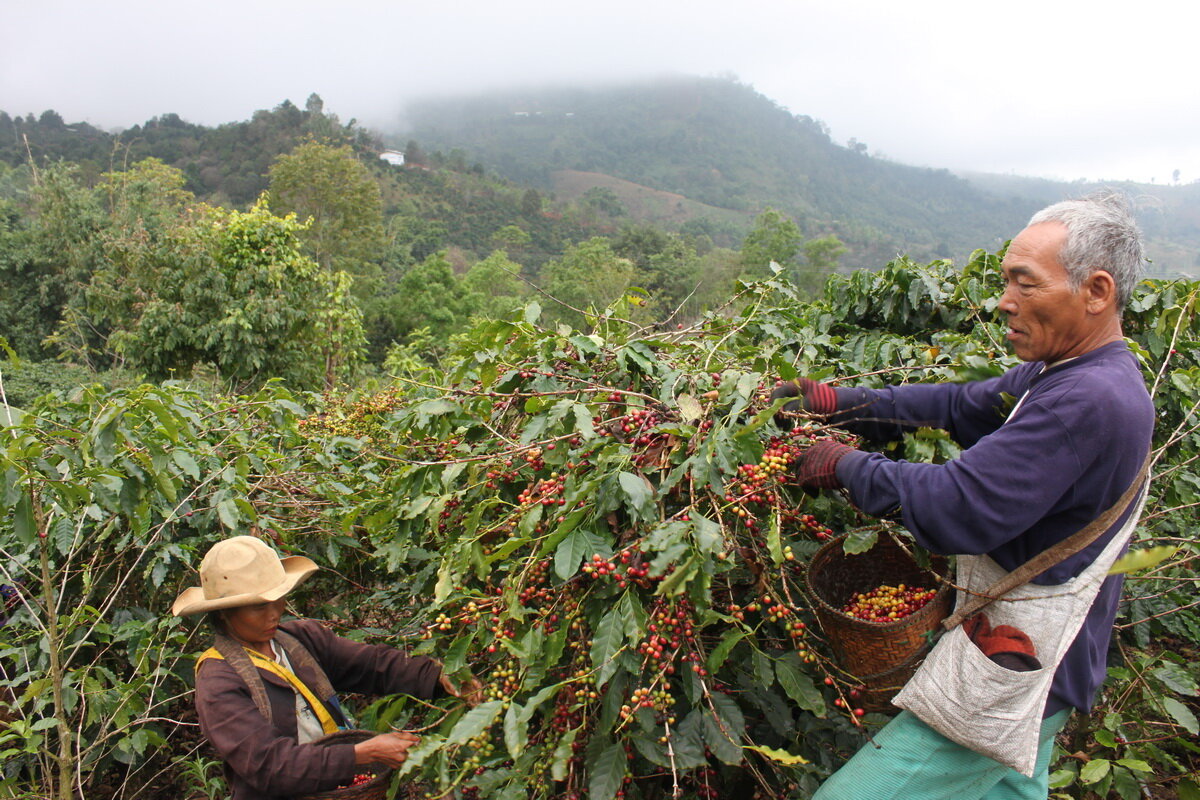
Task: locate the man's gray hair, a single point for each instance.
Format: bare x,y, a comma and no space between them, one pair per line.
1101,235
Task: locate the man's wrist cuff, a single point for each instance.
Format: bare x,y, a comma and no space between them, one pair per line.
819,398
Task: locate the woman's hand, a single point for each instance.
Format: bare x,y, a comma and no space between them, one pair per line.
390,749
471,689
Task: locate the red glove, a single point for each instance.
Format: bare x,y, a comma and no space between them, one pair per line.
1009,647
815,397
817,465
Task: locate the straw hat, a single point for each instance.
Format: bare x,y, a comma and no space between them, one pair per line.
242,571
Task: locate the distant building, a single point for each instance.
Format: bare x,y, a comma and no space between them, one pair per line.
393,157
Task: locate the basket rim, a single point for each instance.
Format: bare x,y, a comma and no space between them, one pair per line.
942,580
382,772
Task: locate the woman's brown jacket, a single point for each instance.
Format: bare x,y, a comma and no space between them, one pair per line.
263,760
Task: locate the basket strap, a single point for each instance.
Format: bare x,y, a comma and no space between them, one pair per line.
239,658
300,657
236,657
1051,555
328,723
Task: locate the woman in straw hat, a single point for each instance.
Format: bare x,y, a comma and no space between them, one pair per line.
265,690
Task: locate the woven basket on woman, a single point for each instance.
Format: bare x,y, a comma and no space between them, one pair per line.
374,789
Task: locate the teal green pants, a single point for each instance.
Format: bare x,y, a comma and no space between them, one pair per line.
908,760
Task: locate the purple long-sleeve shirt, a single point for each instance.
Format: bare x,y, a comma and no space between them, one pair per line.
1074,446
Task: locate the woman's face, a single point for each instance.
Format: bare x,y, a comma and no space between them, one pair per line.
256,624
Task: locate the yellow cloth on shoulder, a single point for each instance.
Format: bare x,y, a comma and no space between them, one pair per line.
328,725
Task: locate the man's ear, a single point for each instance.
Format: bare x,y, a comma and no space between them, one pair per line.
1101,292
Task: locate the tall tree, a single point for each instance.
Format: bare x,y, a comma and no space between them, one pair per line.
68,234
493,286
234,290
589,275
331,187
822,254
775,237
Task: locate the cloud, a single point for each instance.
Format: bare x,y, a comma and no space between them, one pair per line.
1052,88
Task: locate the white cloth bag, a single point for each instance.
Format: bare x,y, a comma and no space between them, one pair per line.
972,700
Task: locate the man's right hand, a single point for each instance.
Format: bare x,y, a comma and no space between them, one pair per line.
814,397
390,749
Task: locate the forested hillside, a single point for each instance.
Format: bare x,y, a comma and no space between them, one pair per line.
107,243
720,142
455,204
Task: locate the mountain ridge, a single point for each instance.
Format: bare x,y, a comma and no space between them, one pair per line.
721,143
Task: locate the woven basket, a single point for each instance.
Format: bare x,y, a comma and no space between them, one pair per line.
882,656
374,789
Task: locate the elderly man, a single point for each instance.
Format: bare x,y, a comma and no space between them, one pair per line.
1030,475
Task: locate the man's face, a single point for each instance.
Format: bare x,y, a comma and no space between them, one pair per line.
1047,321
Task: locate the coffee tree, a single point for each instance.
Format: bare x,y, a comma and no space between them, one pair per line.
109,499
602,525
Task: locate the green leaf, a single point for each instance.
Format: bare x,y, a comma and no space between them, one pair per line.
430,744
183,459
1061,778
1182,715
799,686
607,772
1176,678
475,722
23,525
1135,764
859,541
717,657
638,490
708,535
1095,770
1189,789
445,583
1106,738
723,729
563,753
687,739
227,510
610,636
516,730
450,474
1145,558
583,421
773,539
1125,784
455,656
532,704
677,581
532,312
571,550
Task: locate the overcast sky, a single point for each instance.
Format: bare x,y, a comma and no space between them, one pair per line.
1052,88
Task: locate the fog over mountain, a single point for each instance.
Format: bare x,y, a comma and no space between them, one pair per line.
1025,88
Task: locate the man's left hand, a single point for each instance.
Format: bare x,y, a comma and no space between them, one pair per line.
817,465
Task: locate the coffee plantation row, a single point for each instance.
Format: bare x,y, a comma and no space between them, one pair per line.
599,524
